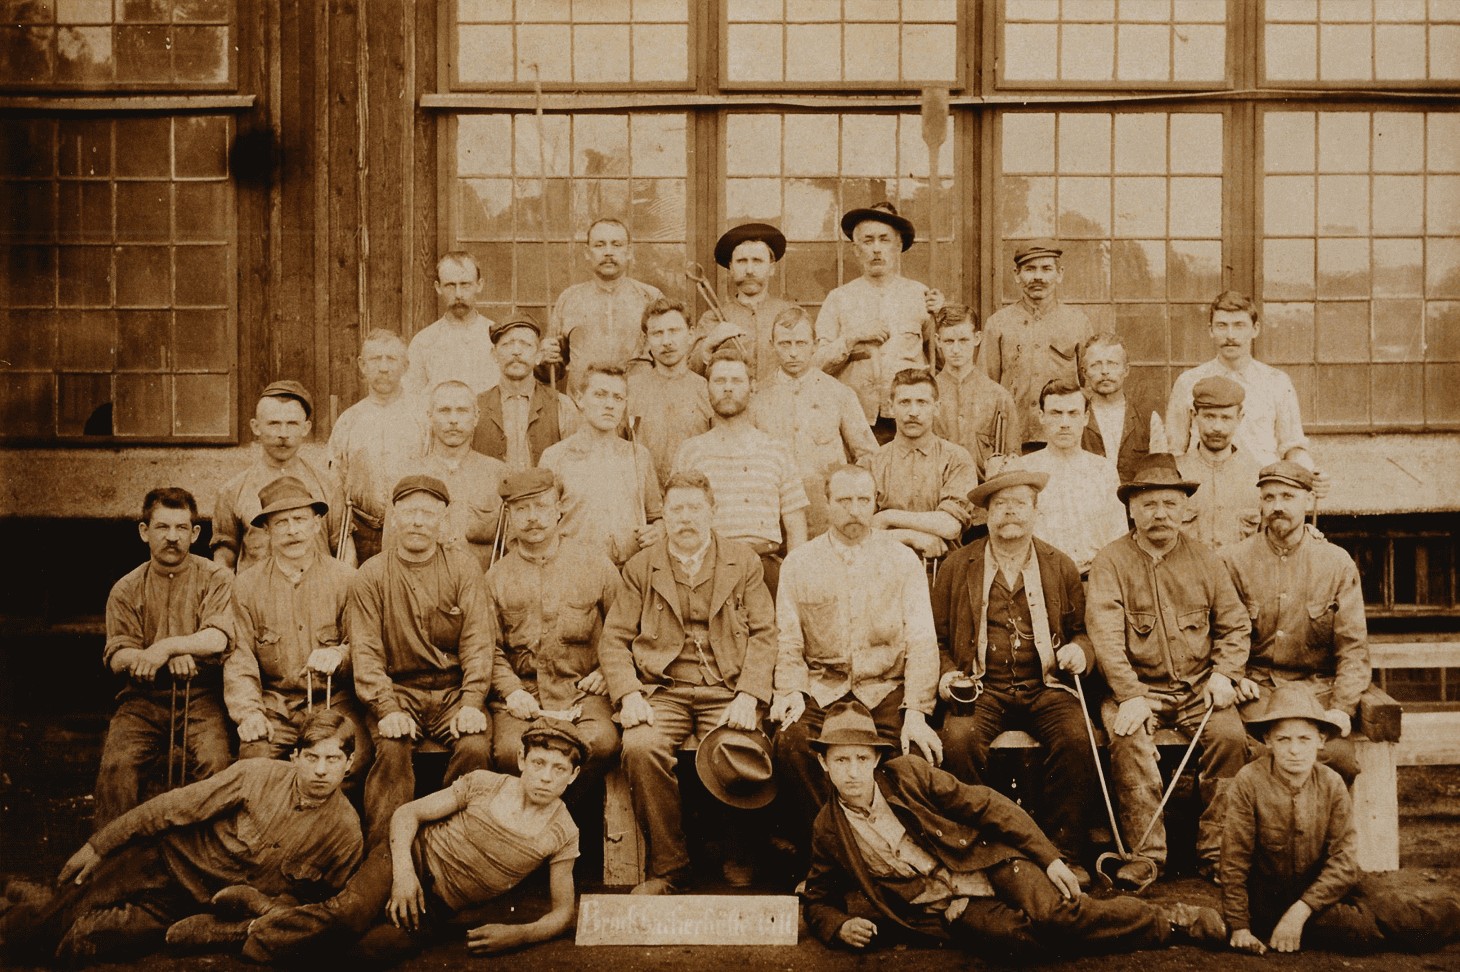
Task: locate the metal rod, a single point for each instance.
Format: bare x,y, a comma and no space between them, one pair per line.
542,194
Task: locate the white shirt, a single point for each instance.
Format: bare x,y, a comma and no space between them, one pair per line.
445,350
1079,511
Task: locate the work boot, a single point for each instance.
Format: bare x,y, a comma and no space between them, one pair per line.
1137,874
243,901
208,933
1196,923
95,932
738,874
22,893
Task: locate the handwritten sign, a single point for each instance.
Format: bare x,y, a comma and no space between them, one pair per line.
687,919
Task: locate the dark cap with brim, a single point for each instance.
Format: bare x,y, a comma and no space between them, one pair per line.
497,329
745,233
288,388
883,212
420,484
1156,471
1035,249
1217,392
544,727
286,493
849,724
1287,471
527,482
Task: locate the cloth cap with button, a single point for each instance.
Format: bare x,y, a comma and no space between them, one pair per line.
420,483
544,727
288,388
883,212
1156,471
1035,249
525,483
1287,471
848,723
1217,392
286,493
744,233
517,319
1289,700
736,767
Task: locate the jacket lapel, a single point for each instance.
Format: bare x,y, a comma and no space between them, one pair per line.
661,579
723,562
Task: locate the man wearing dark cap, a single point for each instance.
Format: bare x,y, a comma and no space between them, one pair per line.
424,642
519,416
1033,340
1224,510
1307,608
281,423
1171,638
930,860
290,649
872,327
1009,610
449,854
750,252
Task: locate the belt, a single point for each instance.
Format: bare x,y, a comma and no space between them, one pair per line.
429,680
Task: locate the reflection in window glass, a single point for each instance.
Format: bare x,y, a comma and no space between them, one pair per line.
1361,262
1090,41
115,318
867,43
586,42
1345,41
631,167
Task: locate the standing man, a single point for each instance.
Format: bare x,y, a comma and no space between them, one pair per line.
1078,511
520,417
750,252
689,644
668,403
1224,510
877,325
1114,428
458,345
1307,608
759,498
281,423
1272,425
974,411
854,623
168,623
376,440
600,320
1033,340
1010,615
816,417
1171,638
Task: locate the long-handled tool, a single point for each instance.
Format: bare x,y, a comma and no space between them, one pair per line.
345,530
499,539
181,778
172,736
329,689
547,290
1099,768
935,132
638,474
1133,857
696,275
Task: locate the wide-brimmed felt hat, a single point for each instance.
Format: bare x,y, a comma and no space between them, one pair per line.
736,767
1156,471
288,388
744,233
517,319
544,727
1289,700
1287,471
848,724
883,212
984,491
420,483
286,493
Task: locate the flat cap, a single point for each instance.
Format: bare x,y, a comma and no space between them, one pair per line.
289,388
1287,471
1217,392
517,319
527,482
1036,248
420,483
544,727
745,233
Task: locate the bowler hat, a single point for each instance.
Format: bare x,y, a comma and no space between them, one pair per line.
1217,391
883,212
1289,700
288,388
744,233
848,724
1287,471
286,493
544,727
420,483
736,767
984,491
1156,471
1035,249
525,483
517,319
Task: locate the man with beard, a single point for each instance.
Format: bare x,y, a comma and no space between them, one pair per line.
668,403
457,346
520,417
757,485
1307,609
377,439
1223,511
1033,340
750,252
1114,428
600,320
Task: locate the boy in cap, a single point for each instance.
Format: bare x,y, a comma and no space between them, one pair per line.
449,854
974,411
942,861
1290,872
1224,510
745,318
519,417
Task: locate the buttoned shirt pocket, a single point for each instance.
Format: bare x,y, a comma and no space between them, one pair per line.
1320,623
327,636
576,621
821,632
267,650
445,627
1196,632
1140,639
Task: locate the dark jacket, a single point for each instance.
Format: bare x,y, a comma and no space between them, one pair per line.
966,828
1135,440
542,422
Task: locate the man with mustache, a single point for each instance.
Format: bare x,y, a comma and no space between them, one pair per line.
1272,424
1115,428
457,346
668,403
750,252
599,320
1307,606
520,416
1223,511
168,624
1033,340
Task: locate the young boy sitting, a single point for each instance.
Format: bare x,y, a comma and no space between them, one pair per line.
1290,872
449,853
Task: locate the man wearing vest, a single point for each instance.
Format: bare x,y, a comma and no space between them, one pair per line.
519,417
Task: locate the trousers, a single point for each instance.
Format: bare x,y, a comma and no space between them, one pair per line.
135,753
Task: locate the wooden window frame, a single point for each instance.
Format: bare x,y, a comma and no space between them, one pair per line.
1259,45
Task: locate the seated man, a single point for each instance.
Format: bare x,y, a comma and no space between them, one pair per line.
1010,615
1290,871
448,853
276,828
941,861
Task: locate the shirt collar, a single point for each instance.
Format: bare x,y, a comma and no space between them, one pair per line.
846,551
921,446
878,807
539,559
691,565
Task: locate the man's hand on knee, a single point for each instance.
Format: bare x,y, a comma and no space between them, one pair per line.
521,705
917,732
634,710
398,725
1064,879
255,726
741,712
1132,715
468,721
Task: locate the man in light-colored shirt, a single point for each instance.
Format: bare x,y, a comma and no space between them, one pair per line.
1224,510
745,318
1078,511
1115,428
668,403
1033,340
519,417
458,345
974,411
1272,423
818,418
600,320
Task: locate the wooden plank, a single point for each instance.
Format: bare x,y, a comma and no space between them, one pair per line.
623,846
1415,654
690,919
1430,739
71,104
1380,717
1376,806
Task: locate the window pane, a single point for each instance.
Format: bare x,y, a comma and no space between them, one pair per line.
1131,41
1354,41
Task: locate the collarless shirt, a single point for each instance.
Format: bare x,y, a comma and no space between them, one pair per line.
602,324
1224,510
924,474
1079,511
858,306
817,417
1022,349
609,491
150,603
238,503
446,350
671,408
755,320
969,409
755,481
373,445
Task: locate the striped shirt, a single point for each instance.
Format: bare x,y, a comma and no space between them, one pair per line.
755,480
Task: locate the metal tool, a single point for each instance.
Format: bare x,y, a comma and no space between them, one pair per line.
1100,771
634,421
696,274
542,195
935,132
181,777
345,530
329,689
499,539
172,736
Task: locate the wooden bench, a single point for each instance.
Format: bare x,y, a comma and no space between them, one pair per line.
1431,730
